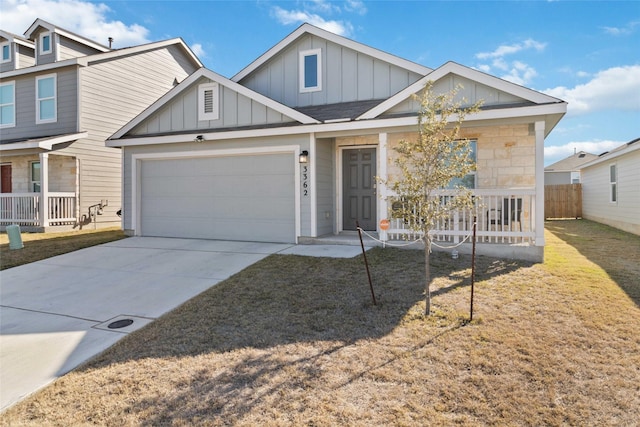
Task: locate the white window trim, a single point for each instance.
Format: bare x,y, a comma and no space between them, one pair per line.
32,182
10,125
2,45
55,99
303,55
613,183
41,43
214,114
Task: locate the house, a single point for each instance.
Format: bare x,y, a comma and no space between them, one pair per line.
611,188
62,95
288,149
567,171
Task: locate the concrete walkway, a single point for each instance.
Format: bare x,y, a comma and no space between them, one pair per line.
59,312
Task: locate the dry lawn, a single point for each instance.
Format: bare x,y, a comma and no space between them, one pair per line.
297,341
39,246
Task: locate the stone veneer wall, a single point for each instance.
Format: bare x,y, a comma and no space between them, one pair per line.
62,173
505,155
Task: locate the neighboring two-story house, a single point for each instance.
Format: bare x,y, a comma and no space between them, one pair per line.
291,149
61,96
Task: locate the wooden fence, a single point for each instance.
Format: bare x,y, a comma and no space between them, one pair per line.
563,201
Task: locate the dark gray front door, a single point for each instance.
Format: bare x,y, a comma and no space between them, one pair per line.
359,188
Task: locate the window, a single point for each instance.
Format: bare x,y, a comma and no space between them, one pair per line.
7,105
45,43
6,52
46,108
469,180
575,177
208,108
613,184
34,178
310,70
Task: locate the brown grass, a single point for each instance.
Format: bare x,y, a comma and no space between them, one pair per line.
38,246
297,341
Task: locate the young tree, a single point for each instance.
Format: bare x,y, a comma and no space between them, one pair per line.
431,162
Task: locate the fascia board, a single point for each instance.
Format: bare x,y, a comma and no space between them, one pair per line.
68,34
45,144
40,68
139,49
612,155
331,129
13,38
204,72
334,38
469,73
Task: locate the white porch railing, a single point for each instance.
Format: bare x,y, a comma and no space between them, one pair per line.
503,216
24,209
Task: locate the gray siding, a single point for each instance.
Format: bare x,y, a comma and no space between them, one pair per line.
67,106
113,92
347,75
325,178
596,205
68,49
26,57
471,91
181,114
557,178
49,57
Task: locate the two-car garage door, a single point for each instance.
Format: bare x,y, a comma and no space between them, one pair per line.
240,197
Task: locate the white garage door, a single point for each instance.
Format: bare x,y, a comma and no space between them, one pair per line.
250,198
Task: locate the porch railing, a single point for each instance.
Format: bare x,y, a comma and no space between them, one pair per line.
503,216
24,209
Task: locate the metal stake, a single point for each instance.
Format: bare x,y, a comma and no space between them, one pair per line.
473,265
364,254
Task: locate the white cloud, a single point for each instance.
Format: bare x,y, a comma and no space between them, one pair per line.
505,50
616,88
198,50
355,6
559,152
288,17
81,17
628,29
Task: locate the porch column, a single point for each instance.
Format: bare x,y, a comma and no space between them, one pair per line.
382,174
44,189
312,193
539,206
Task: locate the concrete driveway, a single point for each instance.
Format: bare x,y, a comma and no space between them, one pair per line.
59,312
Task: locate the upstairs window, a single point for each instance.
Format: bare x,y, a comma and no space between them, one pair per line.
45,43
46,104
613,184
7,104
208,100
311,70
6,52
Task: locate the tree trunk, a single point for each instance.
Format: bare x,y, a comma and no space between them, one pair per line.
427,276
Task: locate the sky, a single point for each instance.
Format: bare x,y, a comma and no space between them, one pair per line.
584,52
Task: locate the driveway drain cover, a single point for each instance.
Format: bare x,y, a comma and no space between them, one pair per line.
122,323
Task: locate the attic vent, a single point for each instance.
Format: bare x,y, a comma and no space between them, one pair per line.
208,100
581,155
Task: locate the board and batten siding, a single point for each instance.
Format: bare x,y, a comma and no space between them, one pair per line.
596,205
325,178
181,114
347,75
469,90
113,92
67,106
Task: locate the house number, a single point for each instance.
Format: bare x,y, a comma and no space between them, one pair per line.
305,180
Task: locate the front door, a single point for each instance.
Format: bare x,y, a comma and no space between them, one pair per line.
359,188
6,179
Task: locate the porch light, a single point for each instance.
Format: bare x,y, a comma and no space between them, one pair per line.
199,138
304,157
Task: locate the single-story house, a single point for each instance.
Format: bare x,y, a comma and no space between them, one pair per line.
567,170
290,148
611,188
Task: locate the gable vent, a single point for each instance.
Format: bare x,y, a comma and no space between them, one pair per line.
208,100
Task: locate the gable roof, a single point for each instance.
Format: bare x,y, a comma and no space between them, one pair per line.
223,81
110,54
73,36
469,73
339,40
629,147
571,163
13,38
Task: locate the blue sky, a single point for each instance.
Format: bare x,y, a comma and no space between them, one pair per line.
587,53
